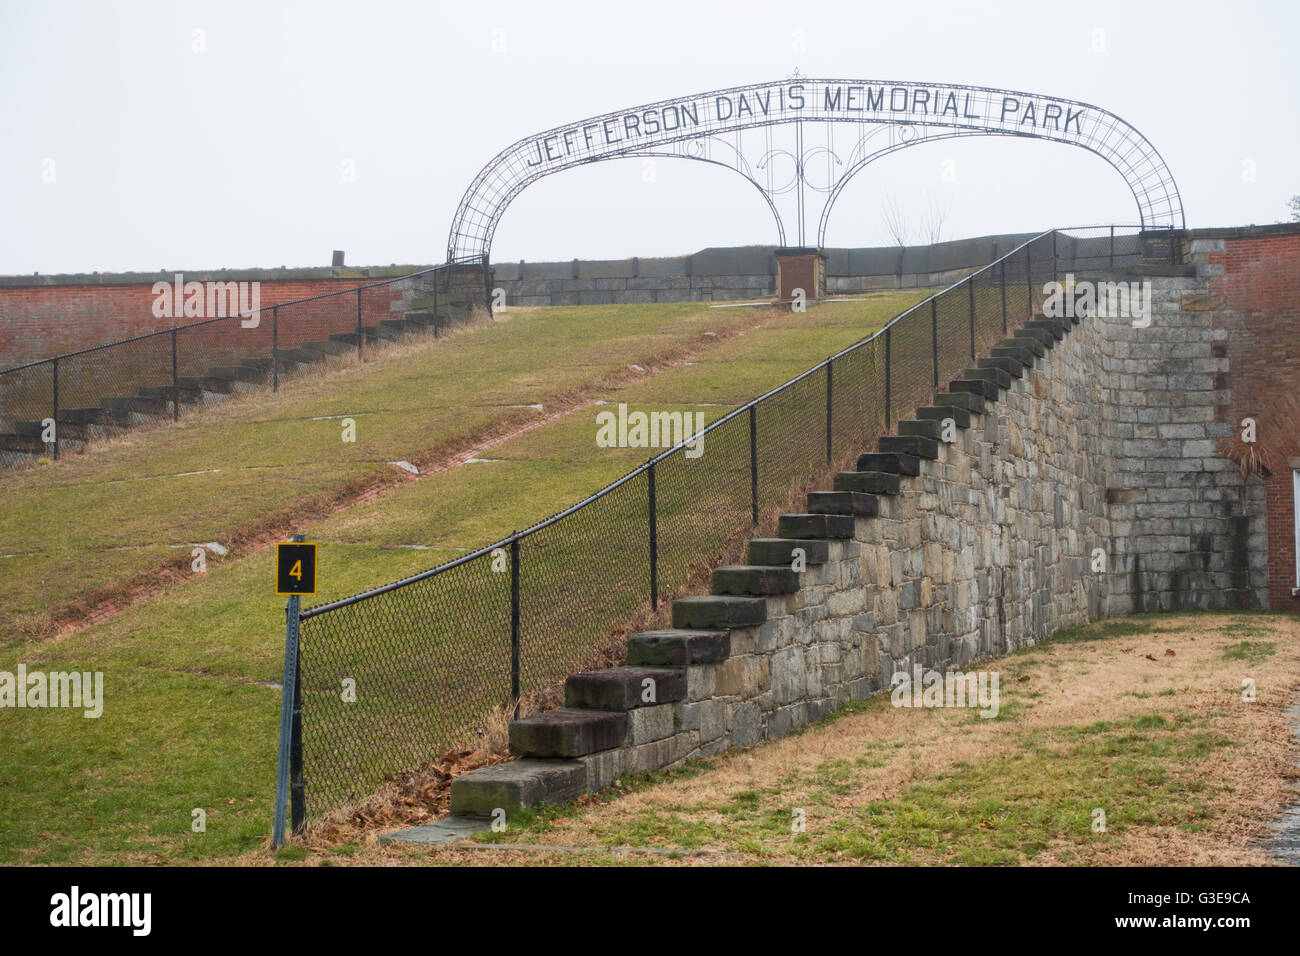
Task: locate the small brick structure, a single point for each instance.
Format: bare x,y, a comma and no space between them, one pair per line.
800,270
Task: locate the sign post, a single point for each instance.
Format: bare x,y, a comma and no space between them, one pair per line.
295,575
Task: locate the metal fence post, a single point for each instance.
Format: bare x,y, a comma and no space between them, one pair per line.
830,391
275,348
887,383
289,702
1055,265
487,284
753,461
176,386
1111,256
934,338
54,415
970,284
1003,281
361,335
514,622
297,784
654,541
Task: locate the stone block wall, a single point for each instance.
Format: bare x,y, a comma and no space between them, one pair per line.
947,554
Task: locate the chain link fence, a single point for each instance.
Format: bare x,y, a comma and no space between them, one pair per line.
97,392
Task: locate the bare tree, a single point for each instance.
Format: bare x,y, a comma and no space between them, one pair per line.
1294,203
895,221
935,217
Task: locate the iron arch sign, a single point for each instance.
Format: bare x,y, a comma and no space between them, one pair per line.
782,137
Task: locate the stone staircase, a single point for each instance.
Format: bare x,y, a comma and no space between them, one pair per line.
117,414
704,685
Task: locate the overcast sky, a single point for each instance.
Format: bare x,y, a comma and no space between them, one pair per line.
190,135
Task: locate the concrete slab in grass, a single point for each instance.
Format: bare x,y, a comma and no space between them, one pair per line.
447,830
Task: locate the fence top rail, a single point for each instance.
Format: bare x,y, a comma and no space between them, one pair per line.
739,410
223,318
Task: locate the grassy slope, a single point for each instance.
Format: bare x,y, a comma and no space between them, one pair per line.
190,721
88,521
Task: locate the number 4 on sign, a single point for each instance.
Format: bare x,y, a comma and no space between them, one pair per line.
295,568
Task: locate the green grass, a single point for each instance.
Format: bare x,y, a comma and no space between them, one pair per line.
224,629
1252,652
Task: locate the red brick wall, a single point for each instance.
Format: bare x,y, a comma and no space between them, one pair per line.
1261,289
37,322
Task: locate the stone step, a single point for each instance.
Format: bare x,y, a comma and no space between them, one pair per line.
301,356
1027,342
76,431
1022,356
978,386
1052,326
260,363
922,428
867,482
1012,367
220,386
854,503
350,338
134,403
329,348
25,444
915,445
754,579
815,526
995,375
423,320
383,332
394,325
679,647
1152,269
187,395
971,402
517,785
623,688
32,429
1046,339
712,611
890,463
778,552
105,417
237,373
959,416
567,732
